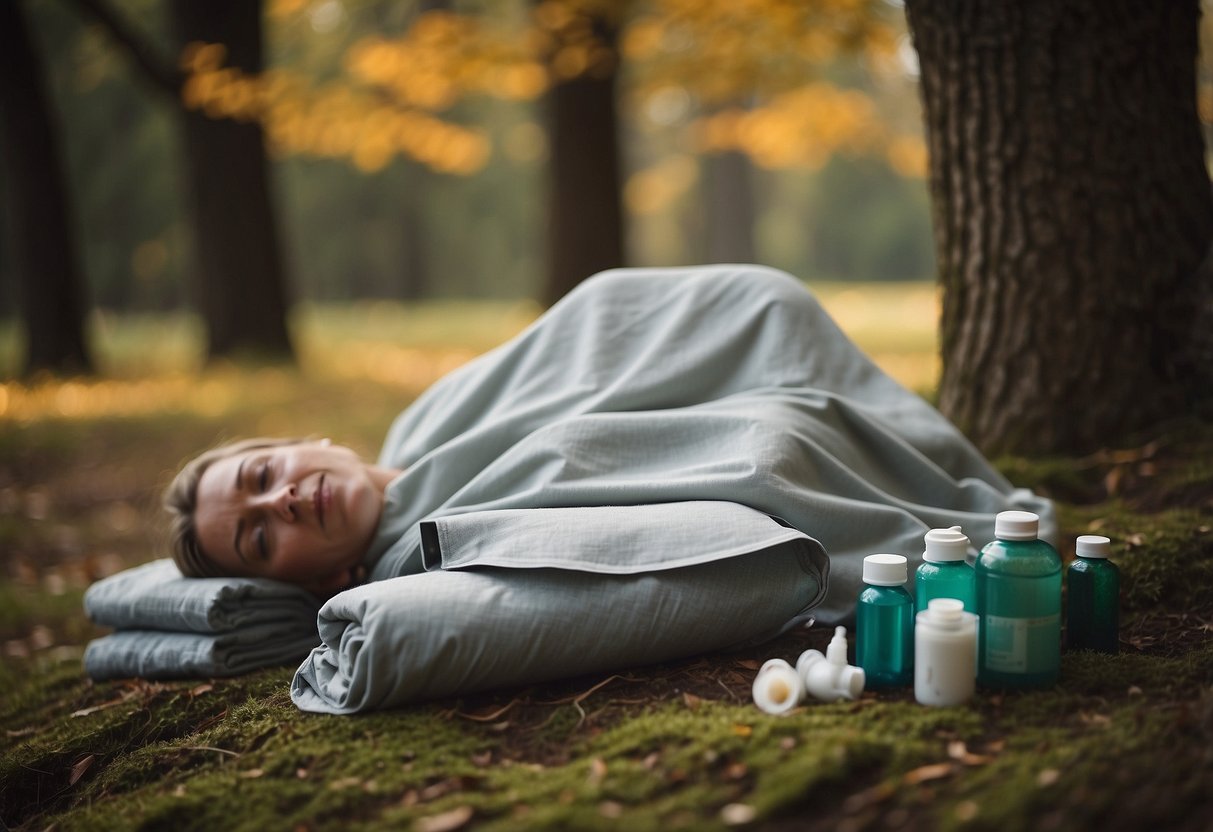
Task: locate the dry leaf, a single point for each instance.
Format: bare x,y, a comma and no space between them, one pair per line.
959,752
966,810
651,761
1048,777
861,800
598,771
610,809
79,769
922,774
252,773
736,814
692,701
446,821
201,689
749,664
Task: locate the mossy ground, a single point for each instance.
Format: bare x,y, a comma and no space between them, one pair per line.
1125,742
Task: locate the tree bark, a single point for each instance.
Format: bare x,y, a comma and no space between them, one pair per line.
242,285
729,206
1071,210
585,228
43,242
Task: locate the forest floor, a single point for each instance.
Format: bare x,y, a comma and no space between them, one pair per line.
1124,742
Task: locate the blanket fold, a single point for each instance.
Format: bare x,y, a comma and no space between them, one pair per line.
172,626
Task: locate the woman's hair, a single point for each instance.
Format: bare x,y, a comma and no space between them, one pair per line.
181,500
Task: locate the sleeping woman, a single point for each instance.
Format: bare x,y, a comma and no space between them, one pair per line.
669,461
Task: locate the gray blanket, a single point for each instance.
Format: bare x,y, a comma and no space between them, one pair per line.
172,626
687,393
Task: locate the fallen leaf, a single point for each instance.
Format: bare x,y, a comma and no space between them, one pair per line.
749,664
651,761
201,689
1048,777
610,809
179,791
446,821
959,752
736,814
692,701
79,769
252,773
966,810
874,794
598,771
922,774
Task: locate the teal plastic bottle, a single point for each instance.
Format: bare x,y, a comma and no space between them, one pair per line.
884,623
1093,597
944,573
1019,604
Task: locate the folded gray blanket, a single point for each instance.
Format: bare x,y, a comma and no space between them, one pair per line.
159,654
172,626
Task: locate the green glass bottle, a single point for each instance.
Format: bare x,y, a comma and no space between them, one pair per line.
1019,604
884,623
1093,597
944,573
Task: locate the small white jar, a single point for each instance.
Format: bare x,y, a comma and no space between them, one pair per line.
945,653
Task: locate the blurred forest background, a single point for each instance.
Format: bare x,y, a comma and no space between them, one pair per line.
412,146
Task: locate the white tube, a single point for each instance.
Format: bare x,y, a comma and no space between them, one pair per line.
829,677
945,653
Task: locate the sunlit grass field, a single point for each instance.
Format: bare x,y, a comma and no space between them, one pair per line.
154,363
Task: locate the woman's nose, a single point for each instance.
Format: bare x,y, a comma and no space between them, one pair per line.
283,502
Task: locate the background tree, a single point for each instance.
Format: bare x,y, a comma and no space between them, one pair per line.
585,206
240,283
43,241
1072,212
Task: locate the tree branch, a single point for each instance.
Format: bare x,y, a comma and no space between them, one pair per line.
162,74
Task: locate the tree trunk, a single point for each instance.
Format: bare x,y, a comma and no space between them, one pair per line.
585,228
1072,210
729,205
44,252
241,287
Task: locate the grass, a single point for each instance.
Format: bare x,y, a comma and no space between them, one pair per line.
1122,743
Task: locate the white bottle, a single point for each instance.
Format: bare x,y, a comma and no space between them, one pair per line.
945,653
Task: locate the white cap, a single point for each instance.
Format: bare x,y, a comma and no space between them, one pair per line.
945,612
1092,546
884,570
944,545
1016,525
777,688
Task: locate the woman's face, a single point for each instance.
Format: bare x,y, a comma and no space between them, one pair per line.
302,513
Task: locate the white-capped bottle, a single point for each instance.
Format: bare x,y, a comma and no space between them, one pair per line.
945,653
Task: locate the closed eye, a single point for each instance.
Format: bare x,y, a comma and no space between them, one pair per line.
259,542
263,476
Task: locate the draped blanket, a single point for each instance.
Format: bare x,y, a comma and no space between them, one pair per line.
668,461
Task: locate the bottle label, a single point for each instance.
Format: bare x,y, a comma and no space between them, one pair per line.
1021,645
